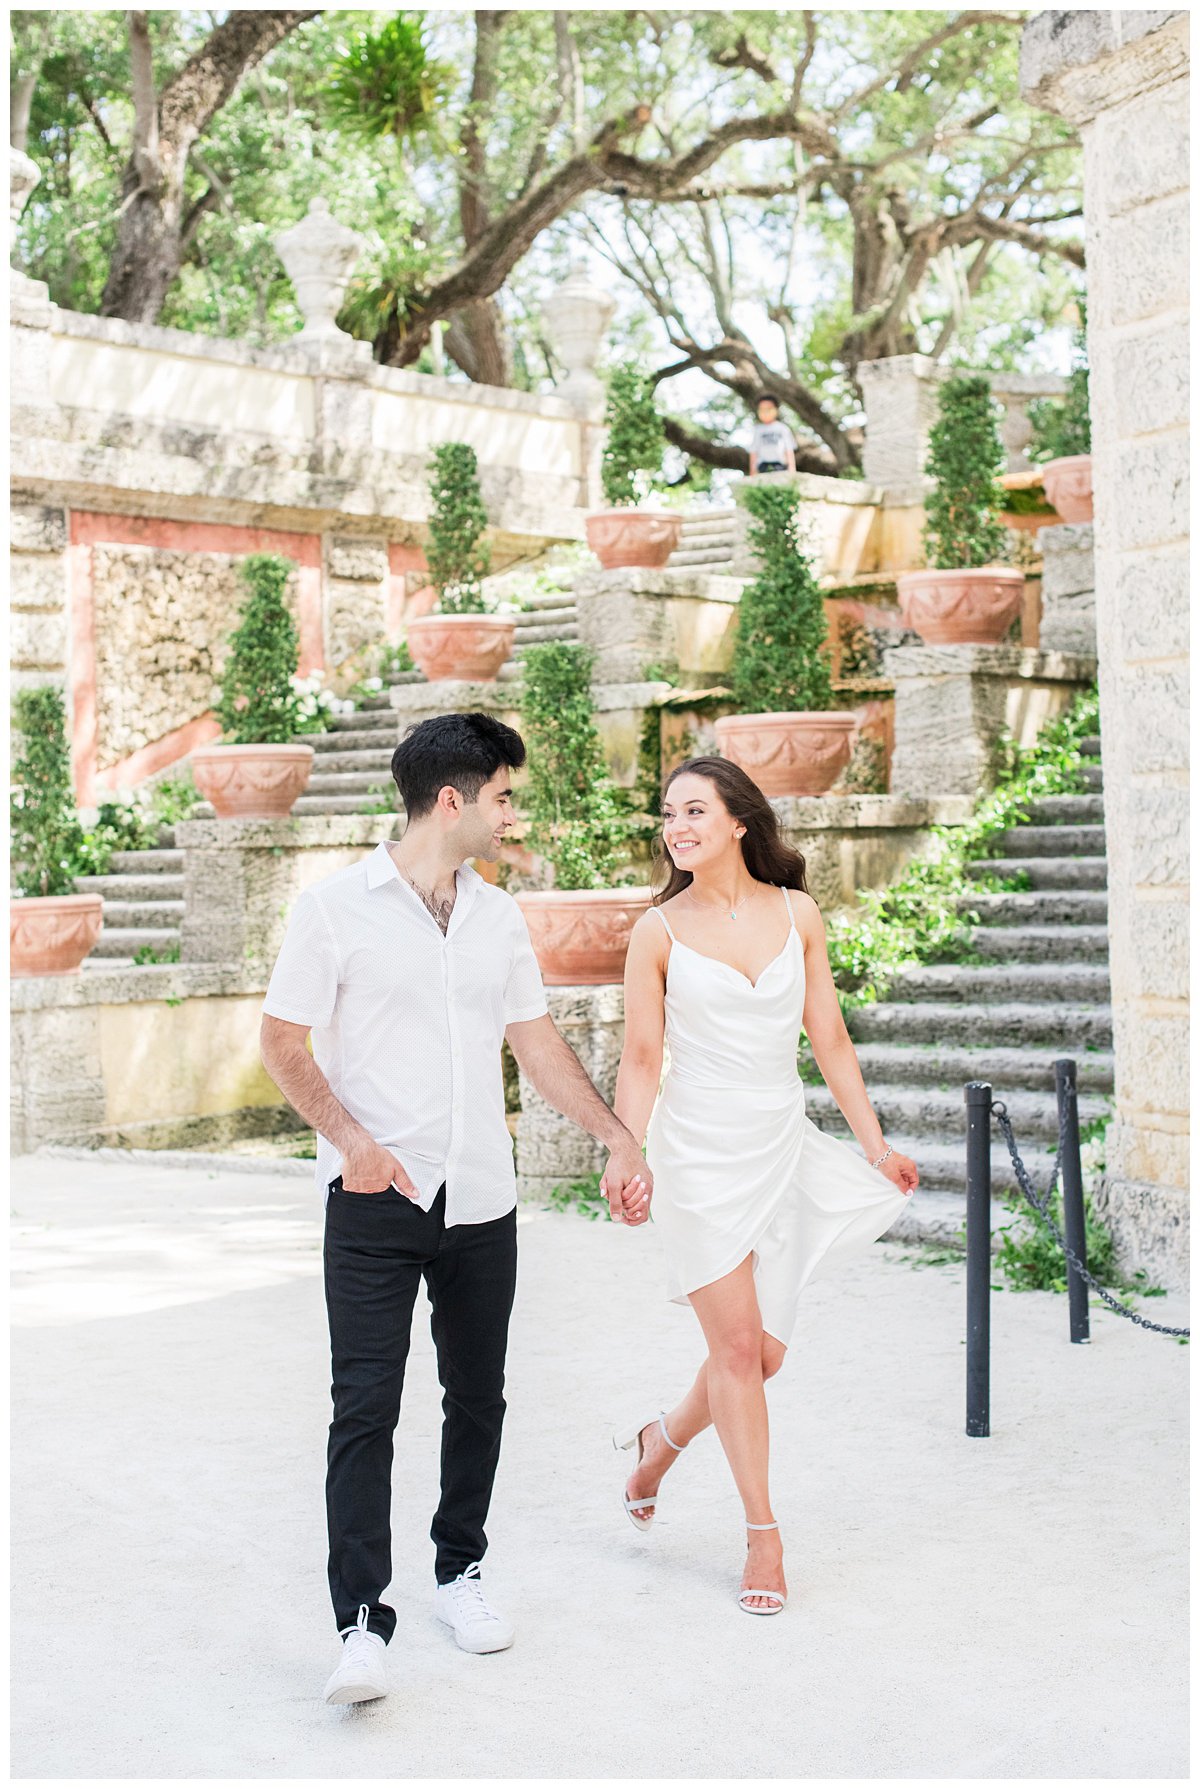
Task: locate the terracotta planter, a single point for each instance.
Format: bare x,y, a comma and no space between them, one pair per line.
252,782
472,647
580,936
52,934
1028,523
961,608
633,536
789,754
1068,486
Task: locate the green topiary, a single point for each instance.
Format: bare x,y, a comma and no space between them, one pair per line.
459,557
258,702
633,452
962,526
44,832
572,808
780,663
1062,427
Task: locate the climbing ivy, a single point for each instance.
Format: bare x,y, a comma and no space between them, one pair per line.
917,918
633,451
459,556
780,662
574,816
258,703
44,830
962,526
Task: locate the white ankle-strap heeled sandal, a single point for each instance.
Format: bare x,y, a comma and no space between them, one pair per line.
634,1439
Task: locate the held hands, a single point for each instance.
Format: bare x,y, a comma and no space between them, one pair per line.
367,1167
627,1183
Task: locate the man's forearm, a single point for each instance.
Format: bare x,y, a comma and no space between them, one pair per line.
306,1090
563,1083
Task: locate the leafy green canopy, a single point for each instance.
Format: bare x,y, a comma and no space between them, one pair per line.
574,817
386,83
259,704
44,832
459,556
633,452
1062,426
962,526
779,659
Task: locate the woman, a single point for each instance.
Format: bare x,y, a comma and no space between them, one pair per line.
750,1198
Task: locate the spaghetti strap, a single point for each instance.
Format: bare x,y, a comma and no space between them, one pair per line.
666,922
788,899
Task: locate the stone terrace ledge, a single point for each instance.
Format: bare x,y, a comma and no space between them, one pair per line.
855,842
634,617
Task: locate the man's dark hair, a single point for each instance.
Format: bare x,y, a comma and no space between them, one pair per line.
767,397
464,750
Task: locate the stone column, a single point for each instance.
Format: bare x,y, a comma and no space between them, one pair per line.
552,1152
1123,77
953,703
635,619
1068,588
241,879
900,396
355,601
577,316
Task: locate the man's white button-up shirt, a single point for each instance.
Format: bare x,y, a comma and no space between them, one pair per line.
407,1024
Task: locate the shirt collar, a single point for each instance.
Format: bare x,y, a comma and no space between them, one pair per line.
381,867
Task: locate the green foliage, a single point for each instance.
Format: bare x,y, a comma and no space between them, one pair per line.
385,661
1063,426
574,817
962,528
44,831
633,452
259,703
916,919
459,557
148,953
134,823
583,1196
780,663
386,84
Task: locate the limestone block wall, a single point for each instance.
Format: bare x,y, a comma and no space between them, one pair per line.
1068,620
37,640
1124,77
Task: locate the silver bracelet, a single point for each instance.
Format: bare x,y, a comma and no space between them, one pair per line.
883,1158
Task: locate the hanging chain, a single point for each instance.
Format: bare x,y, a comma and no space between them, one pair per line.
1041,1204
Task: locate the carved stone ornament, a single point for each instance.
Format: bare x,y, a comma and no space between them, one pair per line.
577,317
319,255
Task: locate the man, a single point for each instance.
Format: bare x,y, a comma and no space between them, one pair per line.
409,969
772,448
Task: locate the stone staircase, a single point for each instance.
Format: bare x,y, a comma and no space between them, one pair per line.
706,540
1038,989
143,904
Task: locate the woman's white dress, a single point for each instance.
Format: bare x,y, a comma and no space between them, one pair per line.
738,1166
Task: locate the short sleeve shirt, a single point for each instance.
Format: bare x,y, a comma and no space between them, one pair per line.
771,442
407,1023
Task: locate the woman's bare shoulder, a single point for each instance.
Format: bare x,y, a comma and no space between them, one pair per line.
808,914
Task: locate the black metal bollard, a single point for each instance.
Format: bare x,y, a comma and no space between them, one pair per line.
978,1096
1071,1177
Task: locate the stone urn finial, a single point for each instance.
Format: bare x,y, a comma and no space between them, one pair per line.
577,316
23,176
319,255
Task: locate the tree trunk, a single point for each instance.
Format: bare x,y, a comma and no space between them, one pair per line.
149,247
477,342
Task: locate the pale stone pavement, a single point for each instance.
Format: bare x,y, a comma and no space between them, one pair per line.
1013,1607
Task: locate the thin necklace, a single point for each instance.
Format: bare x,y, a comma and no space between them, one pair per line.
707,907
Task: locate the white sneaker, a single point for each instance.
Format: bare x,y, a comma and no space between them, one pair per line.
362,1674
461,1605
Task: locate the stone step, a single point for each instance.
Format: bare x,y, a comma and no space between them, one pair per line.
946,1066
308,805
534,636
347,782
376,762
1067,1030
1023,983
509,672
1043,907
939,1116
1052,841
378,715
125,941
1045,872
1090,747
942,1164
1041,944
1068,810
161,889
547,615
149,863
549,599
139,915
717,554
356,739
1093,776
722,520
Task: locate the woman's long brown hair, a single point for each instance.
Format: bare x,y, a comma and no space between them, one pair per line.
766,856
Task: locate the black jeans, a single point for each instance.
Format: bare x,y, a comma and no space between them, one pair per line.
377,1247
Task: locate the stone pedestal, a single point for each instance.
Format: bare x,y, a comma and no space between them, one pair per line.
839,524
1068,622
356,602
636,619
855,842
241,878
626,715
417,702
1124,79
954,703
37,592
551,1151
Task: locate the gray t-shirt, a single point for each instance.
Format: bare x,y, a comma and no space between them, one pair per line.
771,442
